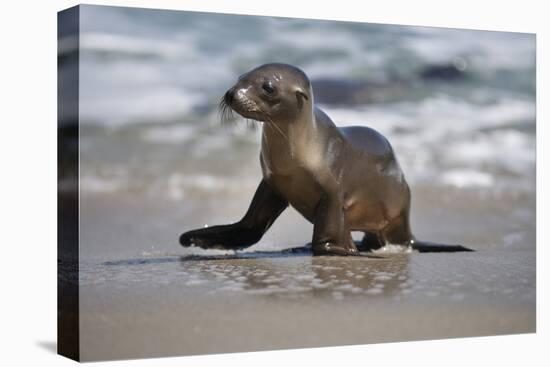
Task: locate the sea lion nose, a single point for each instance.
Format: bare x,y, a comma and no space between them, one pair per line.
229,96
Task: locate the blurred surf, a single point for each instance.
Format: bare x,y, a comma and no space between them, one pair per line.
457,105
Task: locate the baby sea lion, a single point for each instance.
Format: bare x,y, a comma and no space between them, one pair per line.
340,179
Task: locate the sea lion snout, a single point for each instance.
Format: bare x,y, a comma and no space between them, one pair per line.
237,100
229,97
242,99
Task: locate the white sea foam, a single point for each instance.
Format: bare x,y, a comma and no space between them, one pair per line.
173,186
393,249
99,184
508,149
439,112
119,43
467,178
487,50
158,104
464,143
174,134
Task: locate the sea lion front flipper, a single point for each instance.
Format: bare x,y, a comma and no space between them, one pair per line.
264,209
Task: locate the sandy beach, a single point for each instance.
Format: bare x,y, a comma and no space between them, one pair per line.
173,301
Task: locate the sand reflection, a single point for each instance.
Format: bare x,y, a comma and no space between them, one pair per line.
302,276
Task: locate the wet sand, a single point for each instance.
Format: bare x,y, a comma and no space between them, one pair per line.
143,296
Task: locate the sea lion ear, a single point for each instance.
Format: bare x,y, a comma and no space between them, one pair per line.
300,96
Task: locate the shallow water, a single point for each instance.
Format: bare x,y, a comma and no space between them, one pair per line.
403,277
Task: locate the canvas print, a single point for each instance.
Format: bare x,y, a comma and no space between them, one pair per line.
232,183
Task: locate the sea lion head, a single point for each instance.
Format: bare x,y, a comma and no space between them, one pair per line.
270,93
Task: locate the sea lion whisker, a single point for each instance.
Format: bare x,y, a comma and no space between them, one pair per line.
272,123
225,112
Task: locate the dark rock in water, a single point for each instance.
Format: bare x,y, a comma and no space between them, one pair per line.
348,92
360,92
446,72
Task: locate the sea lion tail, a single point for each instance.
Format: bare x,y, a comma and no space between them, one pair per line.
424,246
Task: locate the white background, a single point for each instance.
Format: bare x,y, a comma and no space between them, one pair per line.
28,182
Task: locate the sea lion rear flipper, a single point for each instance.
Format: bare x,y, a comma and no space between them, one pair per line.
424,246
264,209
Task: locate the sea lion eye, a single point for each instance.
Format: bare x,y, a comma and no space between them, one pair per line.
268,88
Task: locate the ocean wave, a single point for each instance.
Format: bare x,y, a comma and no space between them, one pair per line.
141,74
131,46
472,146
467,178
174,187
127,62
173,134
158,104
